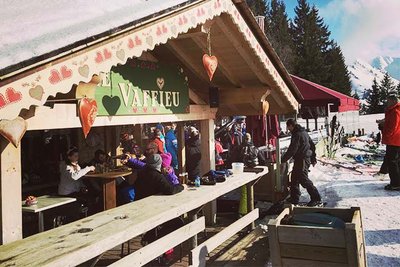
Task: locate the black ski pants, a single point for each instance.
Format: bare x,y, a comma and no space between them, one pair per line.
300,177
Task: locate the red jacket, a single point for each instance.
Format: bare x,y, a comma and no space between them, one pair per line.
391,130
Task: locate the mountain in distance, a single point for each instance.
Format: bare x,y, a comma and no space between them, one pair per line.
363,73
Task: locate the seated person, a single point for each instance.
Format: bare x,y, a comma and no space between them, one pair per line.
101,158
151,181
70,174
135,163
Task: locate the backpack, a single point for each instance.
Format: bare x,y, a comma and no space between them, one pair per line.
250,156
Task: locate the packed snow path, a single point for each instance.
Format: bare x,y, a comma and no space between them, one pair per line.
380,208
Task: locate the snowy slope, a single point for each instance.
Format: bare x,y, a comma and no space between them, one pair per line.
389,64
362,73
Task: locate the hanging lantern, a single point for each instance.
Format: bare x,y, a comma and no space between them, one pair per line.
87,114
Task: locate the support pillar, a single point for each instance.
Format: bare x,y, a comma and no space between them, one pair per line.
207,163
10,192
180,129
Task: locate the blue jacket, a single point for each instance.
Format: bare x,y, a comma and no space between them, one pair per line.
172,147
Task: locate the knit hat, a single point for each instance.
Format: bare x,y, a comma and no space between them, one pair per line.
154,161
166,159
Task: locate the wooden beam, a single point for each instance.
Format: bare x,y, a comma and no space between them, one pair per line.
199,253
202,44
64,116
249,58
158,247
230,96
181,54
10,192
196,98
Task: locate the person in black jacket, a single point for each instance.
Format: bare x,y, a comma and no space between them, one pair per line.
302,150
193,154
151,181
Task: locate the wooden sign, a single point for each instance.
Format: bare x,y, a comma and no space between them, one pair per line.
141,87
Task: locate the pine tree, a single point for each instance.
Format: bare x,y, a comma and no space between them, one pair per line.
278,32
387,87
374,104
258,7
338,76
311,41
398,90
355,96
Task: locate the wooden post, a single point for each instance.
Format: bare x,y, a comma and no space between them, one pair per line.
250,203
137,135
10,192
181,147
208,163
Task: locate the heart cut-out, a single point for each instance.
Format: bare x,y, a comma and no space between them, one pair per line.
210,64
87,114
36,92
111,104
13,130
160,83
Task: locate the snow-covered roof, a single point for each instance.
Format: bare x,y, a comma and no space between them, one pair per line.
33,28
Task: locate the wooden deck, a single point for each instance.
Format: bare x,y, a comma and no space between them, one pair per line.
242,249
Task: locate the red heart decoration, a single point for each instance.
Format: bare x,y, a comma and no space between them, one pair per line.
87,114
65,72
138,41
55,77
107,53
180,21
131,44
154,110
210,63
184,20
3,102
158,32
12,95
145,110
99,57
164,29
135,109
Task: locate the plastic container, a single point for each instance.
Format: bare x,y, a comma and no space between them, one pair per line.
237,167
197,182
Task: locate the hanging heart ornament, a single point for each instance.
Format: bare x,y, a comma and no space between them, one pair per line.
13,130
210,64
87,114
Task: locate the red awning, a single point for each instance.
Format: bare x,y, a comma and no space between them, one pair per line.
318,95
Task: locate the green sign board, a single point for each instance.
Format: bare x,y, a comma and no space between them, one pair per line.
141,87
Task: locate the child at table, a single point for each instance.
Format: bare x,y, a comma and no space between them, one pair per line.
70,174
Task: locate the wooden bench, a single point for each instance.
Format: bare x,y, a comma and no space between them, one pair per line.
199,253
80,241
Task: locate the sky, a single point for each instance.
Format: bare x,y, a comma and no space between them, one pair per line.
364,29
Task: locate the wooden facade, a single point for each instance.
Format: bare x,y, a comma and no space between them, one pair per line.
248,74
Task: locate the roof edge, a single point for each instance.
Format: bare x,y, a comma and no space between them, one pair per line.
262,38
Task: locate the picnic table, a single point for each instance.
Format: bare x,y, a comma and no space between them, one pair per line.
108,180
80,241
46,202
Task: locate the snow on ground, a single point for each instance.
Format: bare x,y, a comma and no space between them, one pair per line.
346,188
